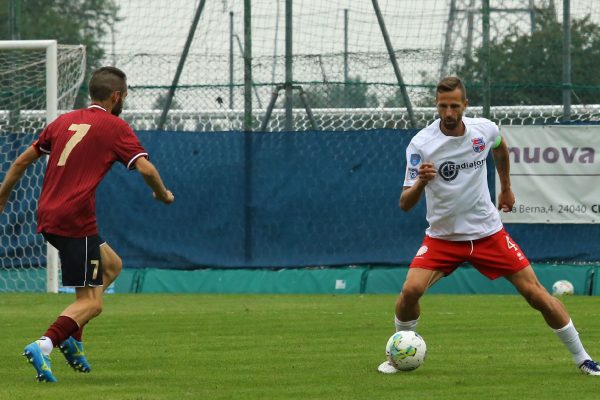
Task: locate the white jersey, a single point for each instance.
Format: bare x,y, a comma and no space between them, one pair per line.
459,206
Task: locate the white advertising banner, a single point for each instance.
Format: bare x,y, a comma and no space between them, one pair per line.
555,174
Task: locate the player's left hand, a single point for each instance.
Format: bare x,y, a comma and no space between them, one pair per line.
506,200
427,172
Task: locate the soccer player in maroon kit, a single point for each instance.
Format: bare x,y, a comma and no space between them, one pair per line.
82,146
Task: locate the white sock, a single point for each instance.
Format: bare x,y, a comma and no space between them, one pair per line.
405,325
570,337
46,345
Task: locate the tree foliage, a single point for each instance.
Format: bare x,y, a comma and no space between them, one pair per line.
526,69
86,22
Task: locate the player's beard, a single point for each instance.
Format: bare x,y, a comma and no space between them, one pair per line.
117,108
452,123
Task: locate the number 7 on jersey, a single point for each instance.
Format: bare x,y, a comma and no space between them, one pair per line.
80,131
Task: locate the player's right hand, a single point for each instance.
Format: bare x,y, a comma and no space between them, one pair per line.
427,172
168,199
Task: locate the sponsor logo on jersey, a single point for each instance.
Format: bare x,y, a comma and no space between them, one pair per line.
415,159
478,144
449,169
413,173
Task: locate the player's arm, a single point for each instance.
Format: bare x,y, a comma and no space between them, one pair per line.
15,172
506,198
411,194
152,179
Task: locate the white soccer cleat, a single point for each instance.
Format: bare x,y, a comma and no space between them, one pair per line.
387,368
590,367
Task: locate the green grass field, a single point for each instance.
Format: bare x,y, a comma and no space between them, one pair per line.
298,347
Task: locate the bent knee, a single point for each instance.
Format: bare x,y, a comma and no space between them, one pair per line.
110,259
113,267
117,265
114,263
538,298
95,308
412,293
118,262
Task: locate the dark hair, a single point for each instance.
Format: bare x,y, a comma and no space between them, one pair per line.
105,81
449,84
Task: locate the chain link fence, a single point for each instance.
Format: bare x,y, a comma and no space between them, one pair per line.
342,66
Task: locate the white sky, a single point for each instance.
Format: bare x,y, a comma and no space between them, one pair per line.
151,36
161,26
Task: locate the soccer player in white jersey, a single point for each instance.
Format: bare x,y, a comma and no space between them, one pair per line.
446,161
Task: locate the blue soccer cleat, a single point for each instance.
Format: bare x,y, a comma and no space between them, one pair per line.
590,367
40,362
73,352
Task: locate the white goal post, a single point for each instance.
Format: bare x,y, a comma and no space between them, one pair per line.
21,76
51,69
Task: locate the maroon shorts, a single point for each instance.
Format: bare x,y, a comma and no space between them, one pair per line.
494,256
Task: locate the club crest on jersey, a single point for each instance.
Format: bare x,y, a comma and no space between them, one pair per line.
478,144
415,159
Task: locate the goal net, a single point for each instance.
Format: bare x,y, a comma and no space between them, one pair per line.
38,79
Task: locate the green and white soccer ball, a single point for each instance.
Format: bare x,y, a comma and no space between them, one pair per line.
563,288
406,350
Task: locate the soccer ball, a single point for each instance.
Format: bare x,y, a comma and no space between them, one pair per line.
562,288
406,350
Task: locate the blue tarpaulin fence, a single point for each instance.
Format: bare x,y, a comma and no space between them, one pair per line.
286,199
264,200
277,199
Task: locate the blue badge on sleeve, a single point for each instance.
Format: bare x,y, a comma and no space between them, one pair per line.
415,159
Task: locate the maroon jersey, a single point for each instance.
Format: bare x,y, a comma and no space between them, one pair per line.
82,146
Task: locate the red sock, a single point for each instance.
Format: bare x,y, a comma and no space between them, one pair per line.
61,329
77,335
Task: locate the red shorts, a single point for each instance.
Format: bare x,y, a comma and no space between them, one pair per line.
494,256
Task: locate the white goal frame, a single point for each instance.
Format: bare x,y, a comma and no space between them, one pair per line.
51,47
